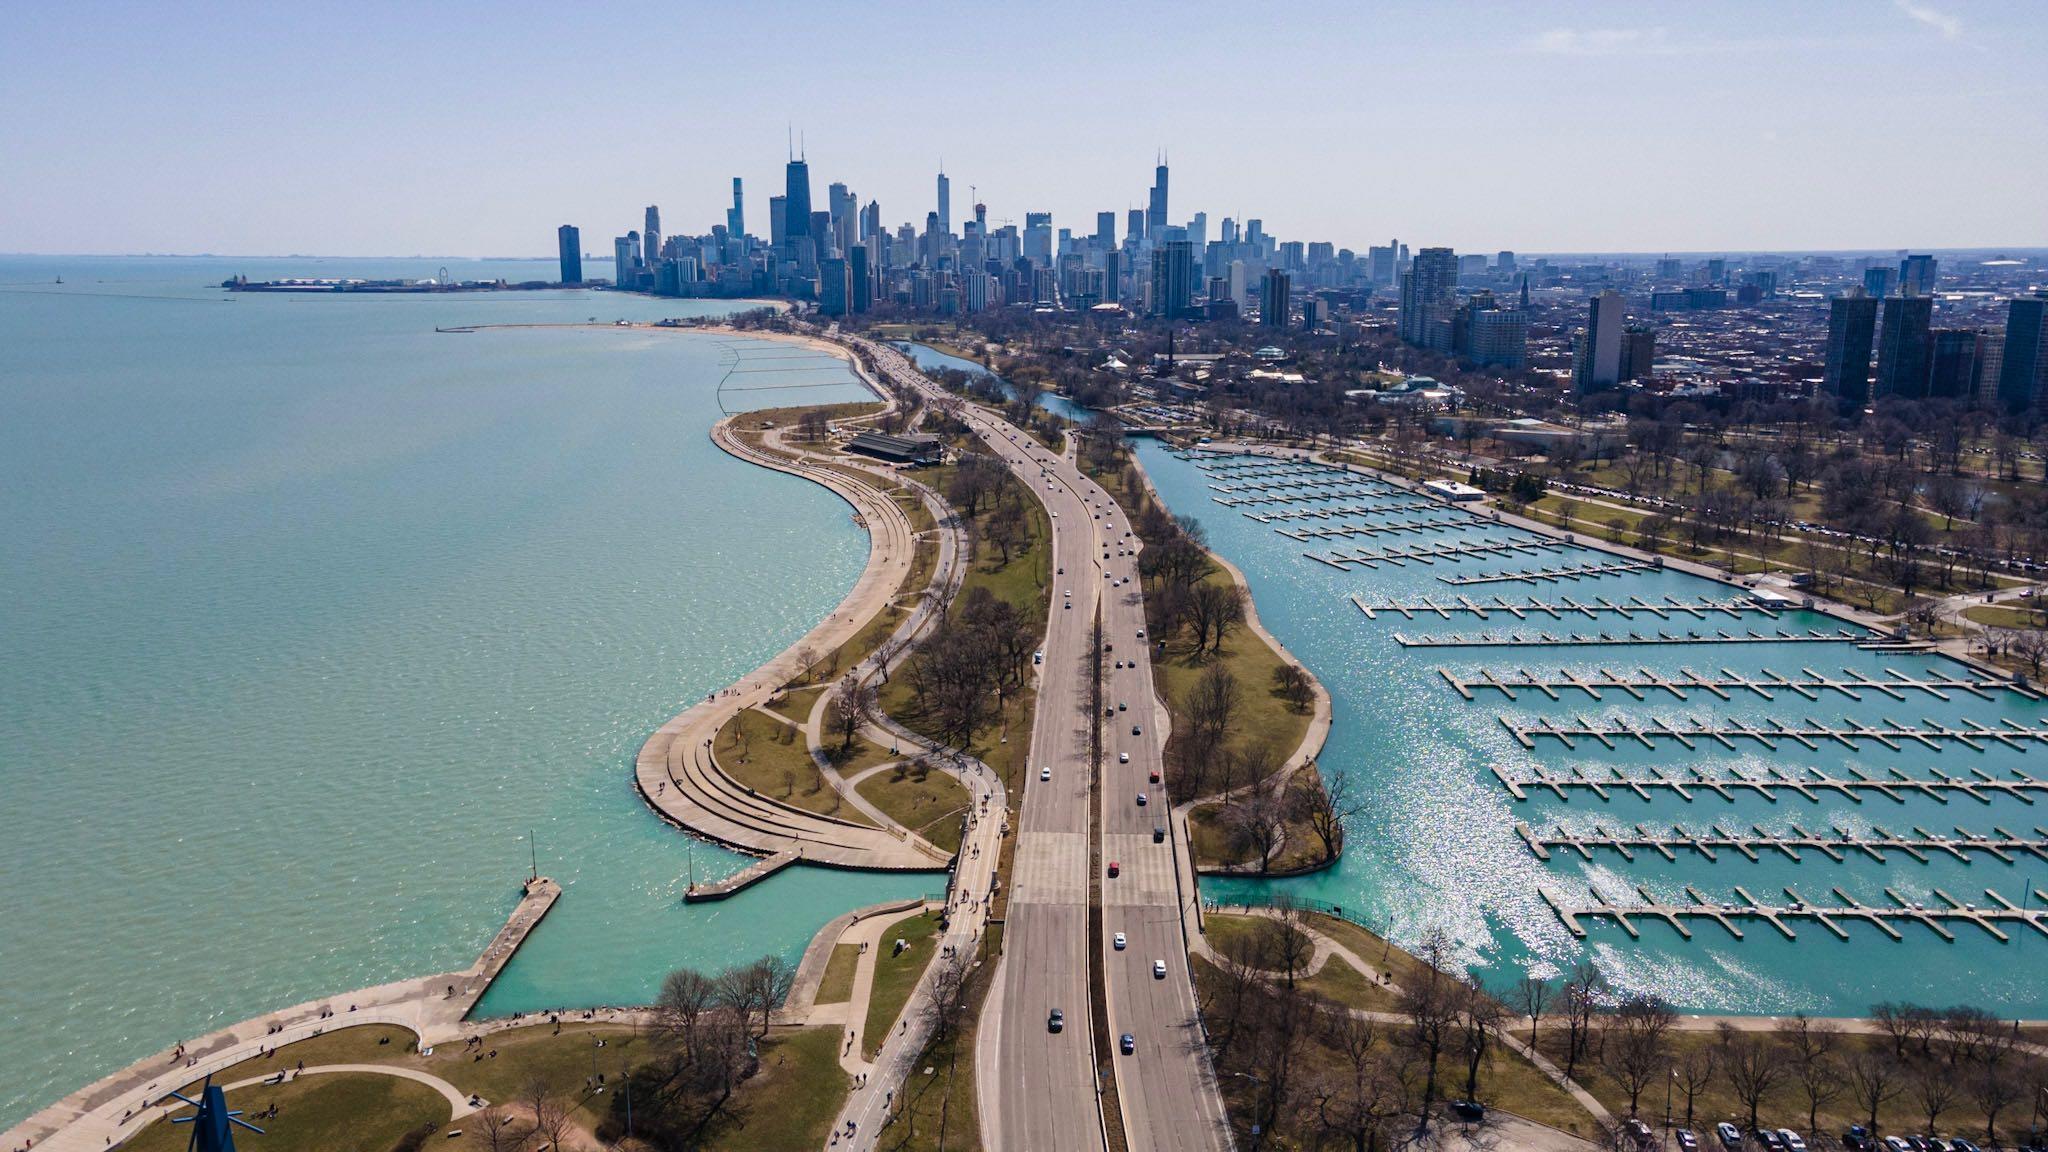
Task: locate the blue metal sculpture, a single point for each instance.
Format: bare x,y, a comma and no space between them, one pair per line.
213,1125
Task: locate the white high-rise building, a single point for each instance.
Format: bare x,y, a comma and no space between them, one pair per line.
1599,356
1237,288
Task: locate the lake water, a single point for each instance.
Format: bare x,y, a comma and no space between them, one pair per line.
312,613
927,357
1437,846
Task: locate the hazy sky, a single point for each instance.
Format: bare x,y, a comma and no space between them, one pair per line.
446,128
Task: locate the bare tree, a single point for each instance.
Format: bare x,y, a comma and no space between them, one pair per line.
550,1111
1580,1002
1694,1074
1935,1085
1636,1049
679,1009
1814,1063
853,708
1327,803
1875,1079
496,1130
1531,994
1755,1067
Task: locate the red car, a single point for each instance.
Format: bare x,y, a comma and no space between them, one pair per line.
1114,868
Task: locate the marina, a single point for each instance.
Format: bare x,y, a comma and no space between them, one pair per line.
1564,605
1765,684
1602,639
1835,845
1808,784
1972,735
1994,919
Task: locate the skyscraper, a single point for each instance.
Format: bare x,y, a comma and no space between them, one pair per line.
1905,346
1428,287
650,237
945,203
1273,295
1599,356
857,271
1155,210
1173,279
2023,375
569,243
796,201
835,287
1134,225
1852,330
1952,371
1638,353
1917,275
736,216
778,222
625,259
1877,282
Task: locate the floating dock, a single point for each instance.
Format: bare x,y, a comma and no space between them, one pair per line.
1766,684
1576,640
1893,735
1431,553
1554,575
1565,605
1999,914
1337,531
1895,785
1835,844
1406,504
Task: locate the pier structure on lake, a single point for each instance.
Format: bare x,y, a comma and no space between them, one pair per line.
1811,734
1556,574
1335,490
1766,684
1437,524
1341,511
1567,606
1995,917
1431,553
1603,639
1836,844
1774,782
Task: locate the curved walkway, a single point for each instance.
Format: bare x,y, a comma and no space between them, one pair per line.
458,1101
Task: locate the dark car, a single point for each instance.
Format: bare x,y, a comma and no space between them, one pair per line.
1128,1043
1056,1022
1470,1110
1687,1142
1159,833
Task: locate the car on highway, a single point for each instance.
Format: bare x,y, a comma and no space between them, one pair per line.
1155,776
1141,633
1120,706
1117,941
1137,730
1045,773
1056,1022
1159,969
1123,757
1128,1043
1115,869
1159,833
1038,657
1142,800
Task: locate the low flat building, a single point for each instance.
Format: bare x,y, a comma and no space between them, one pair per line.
917,448
1453,491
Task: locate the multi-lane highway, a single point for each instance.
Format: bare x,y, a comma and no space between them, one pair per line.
1037,1086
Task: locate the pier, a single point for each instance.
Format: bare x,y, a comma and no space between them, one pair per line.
1405,504
1999,914
1565,605
1809,684
1336,531
1334,491
1576,640
1895,785
743,879
1431,553
1893,735
1554,575
1835,845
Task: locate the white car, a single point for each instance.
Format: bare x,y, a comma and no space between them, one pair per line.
1117,941
1159,969
1141,633
1791,1140
1045,773
1123,757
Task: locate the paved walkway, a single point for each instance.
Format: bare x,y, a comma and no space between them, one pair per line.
458,1101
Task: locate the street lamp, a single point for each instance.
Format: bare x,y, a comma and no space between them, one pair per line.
1256,1133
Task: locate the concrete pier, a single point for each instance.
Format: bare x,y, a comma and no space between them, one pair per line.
1835,844
1893,735
1565,605
1766,684
1809,784
1554,575
1603,639
1994,919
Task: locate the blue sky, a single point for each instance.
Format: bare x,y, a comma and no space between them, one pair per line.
474,129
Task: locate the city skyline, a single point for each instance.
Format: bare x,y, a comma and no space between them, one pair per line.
1540,129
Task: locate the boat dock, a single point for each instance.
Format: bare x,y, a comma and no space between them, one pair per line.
1892,735
1575,640
1993,919
1431,553
1553,575
741,880
1405,504
1332,491
1835,845
1334,531
534,903
1810,684
1978,785
1697,609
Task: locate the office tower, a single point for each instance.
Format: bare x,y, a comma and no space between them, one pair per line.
1155,211
796,202
1379,264
1236,275
1952,374
625,259
857,271
1255,236
569,244
1877,282
844,215
1038,238
736,216
1638,353
1497,336
930,245
778,223
1669,268
871,220
1315,312
1430,286
1173,279
1717,270
650,237
1229,235
1105,229
945,204
1917,275
1599,355
1904,345
1134,225
1113,276
1504,263
1852,332
1198,231
1990,362
1273,294
2023,375
835,287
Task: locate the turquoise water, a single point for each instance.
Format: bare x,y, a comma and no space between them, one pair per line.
312,613
1436,845
925,356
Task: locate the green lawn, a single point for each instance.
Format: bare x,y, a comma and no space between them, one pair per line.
796,704
836,986
792,1101
927,802
896,975
343,1112
1227,933
769,756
